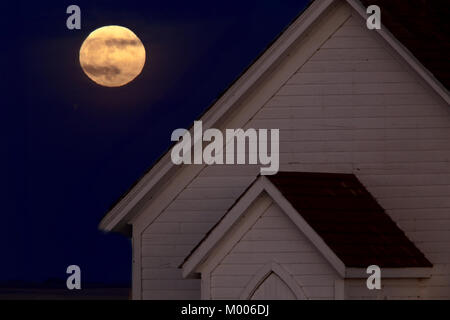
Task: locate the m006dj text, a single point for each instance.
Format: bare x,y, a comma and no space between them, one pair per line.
256,309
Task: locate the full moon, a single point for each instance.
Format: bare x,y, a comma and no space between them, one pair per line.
112,56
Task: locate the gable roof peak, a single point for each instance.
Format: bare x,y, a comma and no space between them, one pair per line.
334,211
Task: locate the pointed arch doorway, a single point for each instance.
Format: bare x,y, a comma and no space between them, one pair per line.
273,288
273,282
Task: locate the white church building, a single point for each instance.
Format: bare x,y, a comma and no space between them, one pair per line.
364,176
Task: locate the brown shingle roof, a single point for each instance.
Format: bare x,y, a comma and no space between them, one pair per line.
423,27
349,219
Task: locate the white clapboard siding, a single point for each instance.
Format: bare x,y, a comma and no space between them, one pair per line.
171,294
185,228
273,238
327,66
365,146
313,112
360,78
353,107
390,290
332,100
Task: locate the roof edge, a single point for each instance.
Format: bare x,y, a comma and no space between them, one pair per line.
202,251
405,53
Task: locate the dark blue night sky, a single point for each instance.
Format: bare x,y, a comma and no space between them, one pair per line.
70,148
